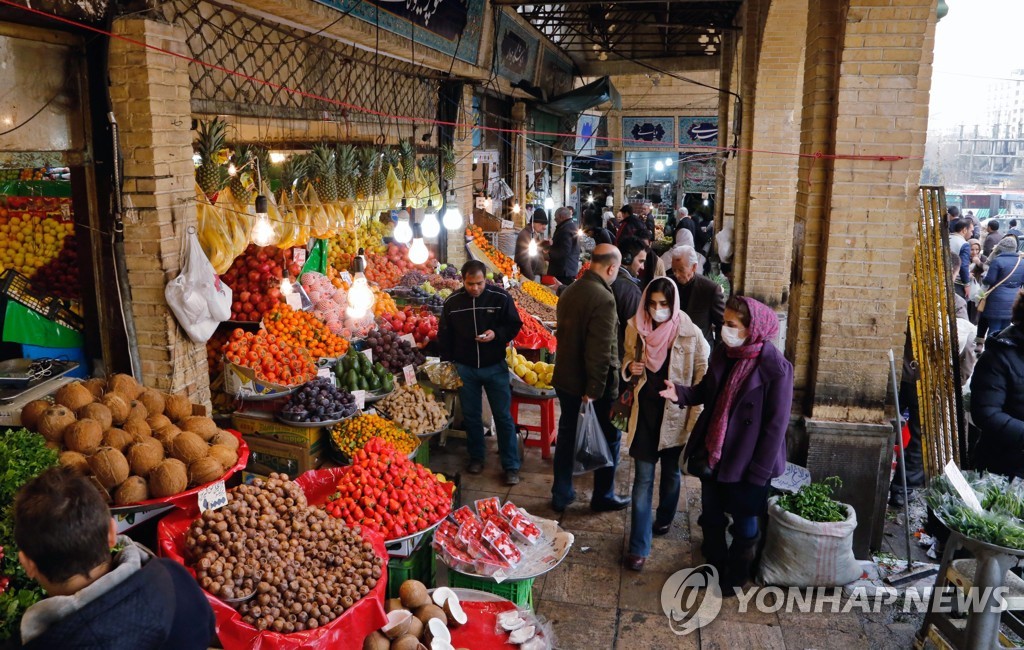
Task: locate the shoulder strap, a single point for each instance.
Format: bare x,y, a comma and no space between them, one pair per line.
1008,275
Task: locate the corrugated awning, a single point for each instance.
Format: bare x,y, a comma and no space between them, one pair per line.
580,99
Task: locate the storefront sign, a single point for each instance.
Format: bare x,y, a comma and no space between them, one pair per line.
516,55
698,131
698,175
649,130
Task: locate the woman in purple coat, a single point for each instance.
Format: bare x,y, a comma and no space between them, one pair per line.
739,443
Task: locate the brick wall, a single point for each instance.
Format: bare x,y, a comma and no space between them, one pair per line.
463,182
150,93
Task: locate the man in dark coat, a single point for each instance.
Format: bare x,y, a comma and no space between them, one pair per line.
586,370
564,254
127,601
532,266
626,287
702,299
992,238
630,225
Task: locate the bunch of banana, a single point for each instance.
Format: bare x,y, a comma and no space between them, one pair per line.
213,234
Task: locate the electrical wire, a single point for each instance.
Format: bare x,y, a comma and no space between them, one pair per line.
33,116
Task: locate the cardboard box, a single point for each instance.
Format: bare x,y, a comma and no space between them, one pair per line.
307,438
267,456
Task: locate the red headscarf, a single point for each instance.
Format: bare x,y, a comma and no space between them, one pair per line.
764,326
657,337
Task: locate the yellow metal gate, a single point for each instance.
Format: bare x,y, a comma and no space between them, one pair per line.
933,334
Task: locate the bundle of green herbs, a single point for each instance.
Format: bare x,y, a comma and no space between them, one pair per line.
814,502
23,456
1001,521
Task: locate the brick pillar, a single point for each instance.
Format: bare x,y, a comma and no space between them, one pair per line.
463,183
151,93
775,120
867,78
519,164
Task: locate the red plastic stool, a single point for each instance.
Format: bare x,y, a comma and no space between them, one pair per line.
548,428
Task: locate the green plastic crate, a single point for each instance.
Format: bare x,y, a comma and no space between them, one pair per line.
418,566
520,592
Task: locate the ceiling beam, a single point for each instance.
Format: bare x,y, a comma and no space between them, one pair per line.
584,3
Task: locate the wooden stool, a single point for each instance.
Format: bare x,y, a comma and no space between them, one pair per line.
548,428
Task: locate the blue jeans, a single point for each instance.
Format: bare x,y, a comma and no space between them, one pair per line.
643,496
493,379
562,491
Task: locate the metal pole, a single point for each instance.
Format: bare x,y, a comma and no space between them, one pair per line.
902,461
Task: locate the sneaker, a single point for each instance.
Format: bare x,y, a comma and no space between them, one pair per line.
512,477
475,466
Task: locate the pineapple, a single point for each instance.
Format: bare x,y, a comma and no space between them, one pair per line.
293,172
378,182
367,167
393,159
211,172
408,153
244,180
448,163
345,162
428,166
322,173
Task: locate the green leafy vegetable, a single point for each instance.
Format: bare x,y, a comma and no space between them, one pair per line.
1002,520
814,502
23,455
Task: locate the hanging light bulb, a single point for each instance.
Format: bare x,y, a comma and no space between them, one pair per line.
452,219
418,252
590,198
668,162
286,286
360,296
549,204
403,232
659,166
515,208
277,157
263,233
705,201
431,226
232,170
531,249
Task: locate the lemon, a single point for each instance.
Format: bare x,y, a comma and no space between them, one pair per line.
530,377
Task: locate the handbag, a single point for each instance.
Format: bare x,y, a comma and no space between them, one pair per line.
697,464
981,303
622,408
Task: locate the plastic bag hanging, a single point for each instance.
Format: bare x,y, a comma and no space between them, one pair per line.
198,298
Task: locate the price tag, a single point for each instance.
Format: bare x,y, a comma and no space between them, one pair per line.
504,282
372,412
294,301
299,255
410,338
360,396
506,224
410,375
346,277
958,481
369,354
213,497
324,372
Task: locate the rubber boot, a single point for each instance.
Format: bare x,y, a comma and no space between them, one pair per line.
714,548
740,564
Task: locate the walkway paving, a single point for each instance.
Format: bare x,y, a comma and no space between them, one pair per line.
595,603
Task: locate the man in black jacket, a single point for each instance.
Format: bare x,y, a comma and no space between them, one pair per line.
626,287
127,601
702,299
564,254
477,322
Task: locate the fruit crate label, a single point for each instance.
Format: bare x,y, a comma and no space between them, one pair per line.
408,337
410,374
360,396
213,497
299,255
369,354
294,301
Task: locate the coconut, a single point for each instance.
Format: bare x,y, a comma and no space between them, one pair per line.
407,642
75,461
32,412
415,627
431,611
204,470
119,439
224,439
153,400
137,411
166,436
167,478
157,422
226,456
413,594
454,611
143,456
119,405
437,629
74,396
53,422
188,447
391,604
138,428
109,466
104,492
83,436
99,412
95,386
124,384
398,623
133,490
376,641
177,407
204,427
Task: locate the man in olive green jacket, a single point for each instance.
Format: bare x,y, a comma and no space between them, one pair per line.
586,369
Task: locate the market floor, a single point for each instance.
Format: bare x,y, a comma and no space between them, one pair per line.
593,602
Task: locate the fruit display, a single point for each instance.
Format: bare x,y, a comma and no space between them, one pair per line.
534,373
385,491
215,352
301,329
318,401
37,239
387,269
352,435
442,282
270,359
330,305
368,235
533,335
416,321
392,352
420,295
419,619
540,292
255,280
355,372
415,410
299,568
383,303
533,306
494,538
135,443
499,260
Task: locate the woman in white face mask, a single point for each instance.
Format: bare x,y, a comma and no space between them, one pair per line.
661,344
739,443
